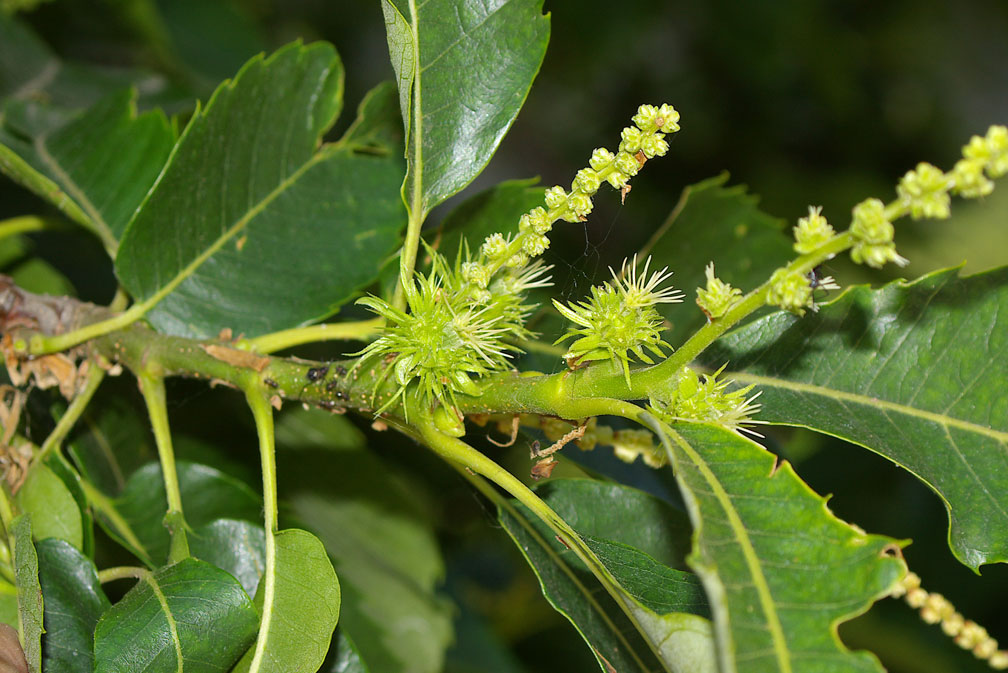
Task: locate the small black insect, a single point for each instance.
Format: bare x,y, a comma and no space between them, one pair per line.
331,386
340,370
340,395
317,373
270,382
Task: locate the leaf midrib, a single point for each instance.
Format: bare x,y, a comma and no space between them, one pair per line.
169,617
875,402
75,191
189,269
774,625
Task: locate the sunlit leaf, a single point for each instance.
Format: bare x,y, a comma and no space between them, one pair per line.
913,371
464,68
248,197
779,569
299,619
189,615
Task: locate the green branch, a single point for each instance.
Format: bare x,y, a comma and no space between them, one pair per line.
73,412
153,391
262,412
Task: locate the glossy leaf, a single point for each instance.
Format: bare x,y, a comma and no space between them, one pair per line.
247,198
29,592
780,570
715,223
207,494
344,657
464,68
74,601
374,526
238,547
96,168
189,615
298,624
913,371
667,605
52,507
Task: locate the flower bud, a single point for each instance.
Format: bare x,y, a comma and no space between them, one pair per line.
812,231
992,149
790,290
587,181
535,244
495,246
556,197
601,158
717,297
924,191
970,181
631,141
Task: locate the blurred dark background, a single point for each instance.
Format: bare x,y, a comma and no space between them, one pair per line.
821,103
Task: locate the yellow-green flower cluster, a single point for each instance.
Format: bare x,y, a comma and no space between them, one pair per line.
619,319
640,142
812,231
924,192
708,401
717,297
791,290
873,235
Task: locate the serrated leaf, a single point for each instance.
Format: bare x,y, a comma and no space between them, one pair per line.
96,168
52,507
29,592
238,547
247,198
74,601
207,495
779,569
667,604
189,615
720,224
374,526
913,371
298,623
464,68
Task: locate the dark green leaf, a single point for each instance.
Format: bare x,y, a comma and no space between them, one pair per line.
188,614
207,494
780,570
74,601
297,428
299,622
29,592
29,70
344,657
96,168
112,441
238,547
913,371
52,507
464,68
715,223
378,126
247,198
374,525
666,604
